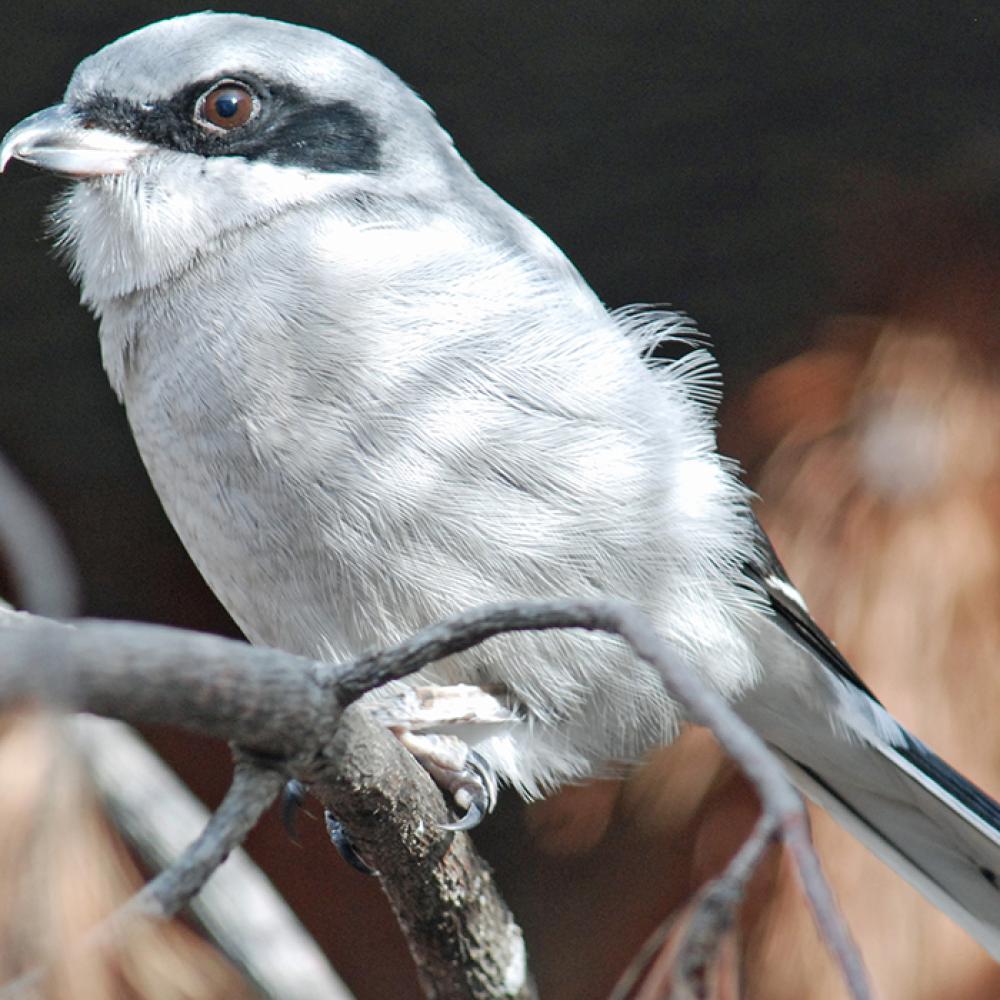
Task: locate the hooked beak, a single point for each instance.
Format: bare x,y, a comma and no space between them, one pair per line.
56,140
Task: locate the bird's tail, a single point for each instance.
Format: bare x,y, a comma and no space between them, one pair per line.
914,811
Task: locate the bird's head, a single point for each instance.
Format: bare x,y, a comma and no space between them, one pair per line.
183,133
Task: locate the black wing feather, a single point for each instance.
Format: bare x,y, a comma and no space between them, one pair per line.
769,578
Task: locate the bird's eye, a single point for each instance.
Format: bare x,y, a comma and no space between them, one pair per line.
227,105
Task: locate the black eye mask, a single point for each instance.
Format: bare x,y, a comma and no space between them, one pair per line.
291,128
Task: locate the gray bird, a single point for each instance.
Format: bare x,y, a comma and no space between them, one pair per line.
370,394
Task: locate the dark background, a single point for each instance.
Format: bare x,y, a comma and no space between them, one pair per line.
758,166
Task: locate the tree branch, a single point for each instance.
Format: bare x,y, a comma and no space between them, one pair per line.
289,709
462,936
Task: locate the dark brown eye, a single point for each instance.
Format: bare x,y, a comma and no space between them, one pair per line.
227,105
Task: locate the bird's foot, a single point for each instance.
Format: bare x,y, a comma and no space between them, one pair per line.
460,772
341,839
437,724
292,797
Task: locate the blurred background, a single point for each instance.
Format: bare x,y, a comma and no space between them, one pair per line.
819,187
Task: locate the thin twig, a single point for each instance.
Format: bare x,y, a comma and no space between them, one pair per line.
40,565
707,920
823,904
252,791
781,803
715,909
638,968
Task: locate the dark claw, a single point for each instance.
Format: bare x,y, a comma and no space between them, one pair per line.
292,797
345,848
472,818
484,796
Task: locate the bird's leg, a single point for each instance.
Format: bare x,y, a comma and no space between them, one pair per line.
437,724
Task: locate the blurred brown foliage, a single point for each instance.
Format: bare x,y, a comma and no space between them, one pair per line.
63,869
876,455
882,493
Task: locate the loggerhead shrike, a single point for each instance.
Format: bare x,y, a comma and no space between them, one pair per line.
370,393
